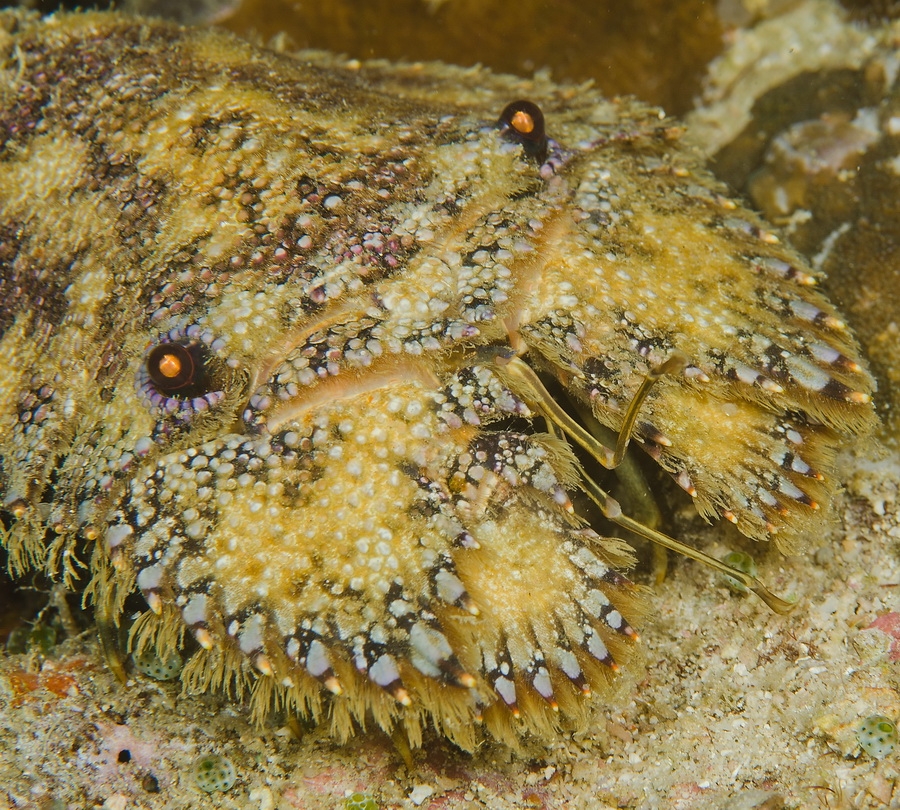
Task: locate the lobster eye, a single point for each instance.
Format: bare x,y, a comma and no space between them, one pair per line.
522,121
178,370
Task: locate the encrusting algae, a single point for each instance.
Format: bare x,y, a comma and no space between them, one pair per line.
276,340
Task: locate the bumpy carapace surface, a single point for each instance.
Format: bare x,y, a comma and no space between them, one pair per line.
267,324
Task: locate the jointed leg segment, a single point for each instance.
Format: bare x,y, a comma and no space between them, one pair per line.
529,386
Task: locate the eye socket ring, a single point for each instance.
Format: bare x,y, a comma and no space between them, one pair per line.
178,370
523,122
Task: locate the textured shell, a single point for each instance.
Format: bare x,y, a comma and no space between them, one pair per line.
359,515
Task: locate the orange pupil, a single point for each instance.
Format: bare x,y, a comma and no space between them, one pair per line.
522,122
169,366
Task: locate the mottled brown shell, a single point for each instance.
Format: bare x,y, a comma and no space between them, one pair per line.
348,500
